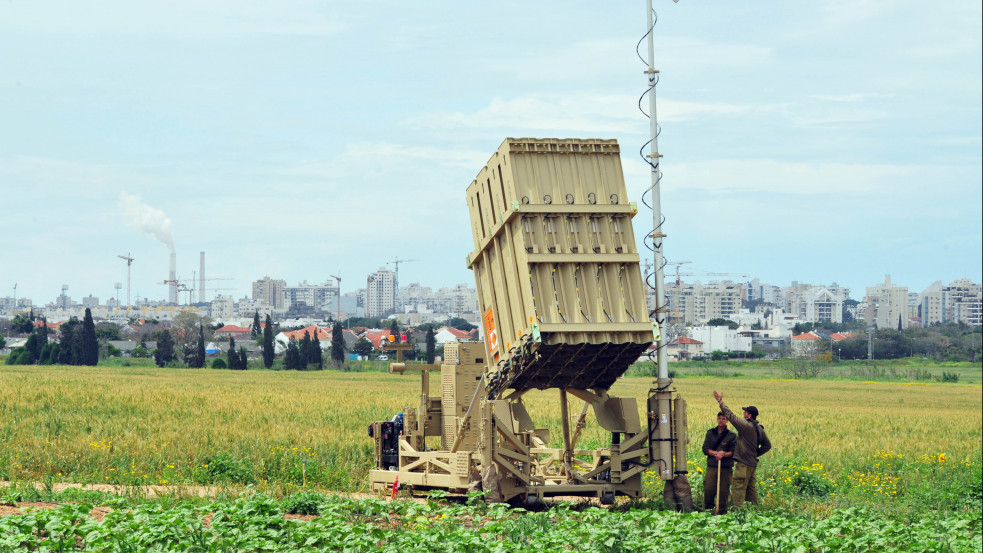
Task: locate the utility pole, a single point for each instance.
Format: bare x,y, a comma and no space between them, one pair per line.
870,344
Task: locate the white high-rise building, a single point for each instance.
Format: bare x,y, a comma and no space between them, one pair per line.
380,293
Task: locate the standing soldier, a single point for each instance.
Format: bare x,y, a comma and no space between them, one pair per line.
752,442
718,446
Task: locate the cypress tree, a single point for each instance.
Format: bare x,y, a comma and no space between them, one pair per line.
78,347
291,360
394,330
256,327
43,333
337,345
90,344
55,353
304,351
67,338
233,354
268,351
199,351
164,353
431,345
32,349
243,359
316,358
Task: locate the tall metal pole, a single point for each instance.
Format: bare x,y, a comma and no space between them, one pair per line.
663,414
655,159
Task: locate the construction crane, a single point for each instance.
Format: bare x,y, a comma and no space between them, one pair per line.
129,261
338,296
678,264
678,274
182,286
195,280
396,263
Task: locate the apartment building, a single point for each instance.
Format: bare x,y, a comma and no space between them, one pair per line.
767,293
322,297
886,305
959,302
380,293
815,304
699,303
270,292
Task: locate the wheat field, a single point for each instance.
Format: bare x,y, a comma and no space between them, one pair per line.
160,426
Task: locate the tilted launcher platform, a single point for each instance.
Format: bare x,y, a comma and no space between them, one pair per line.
563,303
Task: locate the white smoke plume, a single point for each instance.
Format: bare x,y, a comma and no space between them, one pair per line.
146,219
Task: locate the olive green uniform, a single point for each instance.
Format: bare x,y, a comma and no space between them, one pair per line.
746,451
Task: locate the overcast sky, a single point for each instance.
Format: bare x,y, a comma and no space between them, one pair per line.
816,141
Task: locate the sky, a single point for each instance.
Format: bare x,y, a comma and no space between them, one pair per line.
827,141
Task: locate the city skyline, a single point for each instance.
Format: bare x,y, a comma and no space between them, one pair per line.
816,143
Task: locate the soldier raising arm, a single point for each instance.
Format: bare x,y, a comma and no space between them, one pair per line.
752,442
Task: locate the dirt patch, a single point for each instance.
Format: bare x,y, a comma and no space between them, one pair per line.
98,513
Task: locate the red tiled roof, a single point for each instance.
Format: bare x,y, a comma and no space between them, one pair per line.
687,340
806,336
235,329
456,333
322,333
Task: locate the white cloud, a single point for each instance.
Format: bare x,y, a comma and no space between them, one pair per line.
576,112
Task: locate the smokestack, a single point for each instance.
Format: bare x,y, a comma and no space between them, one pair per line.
172,276
201,279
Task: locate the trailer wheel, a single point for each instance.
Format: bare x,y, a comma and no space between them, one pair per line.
607,498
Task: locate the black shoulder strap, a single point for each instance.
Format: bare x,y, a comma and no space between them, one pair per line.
721,440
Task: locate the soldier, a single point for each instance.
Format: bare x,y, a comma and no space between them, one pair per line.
752,442
718,446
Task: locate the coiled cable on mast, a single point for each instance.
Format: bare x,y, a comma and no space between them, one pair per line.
650,241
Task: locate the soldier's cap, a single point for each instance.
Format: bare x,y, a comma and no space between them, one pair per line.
751,409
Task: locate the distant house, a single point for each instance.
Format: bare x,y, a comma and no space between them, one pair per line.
233,331
447,334
807,343
323,335
127,346
684,348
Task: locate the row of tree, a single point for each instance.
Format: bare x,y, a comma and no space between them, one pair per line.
77,345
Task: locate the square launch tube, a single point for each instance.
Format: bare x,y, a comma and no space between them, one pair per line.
556,265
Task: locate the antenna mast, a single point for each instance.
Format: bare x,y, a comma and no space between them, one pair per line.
663,450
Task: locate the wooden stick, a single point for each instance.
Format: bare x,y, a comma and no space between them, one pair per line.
716,504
